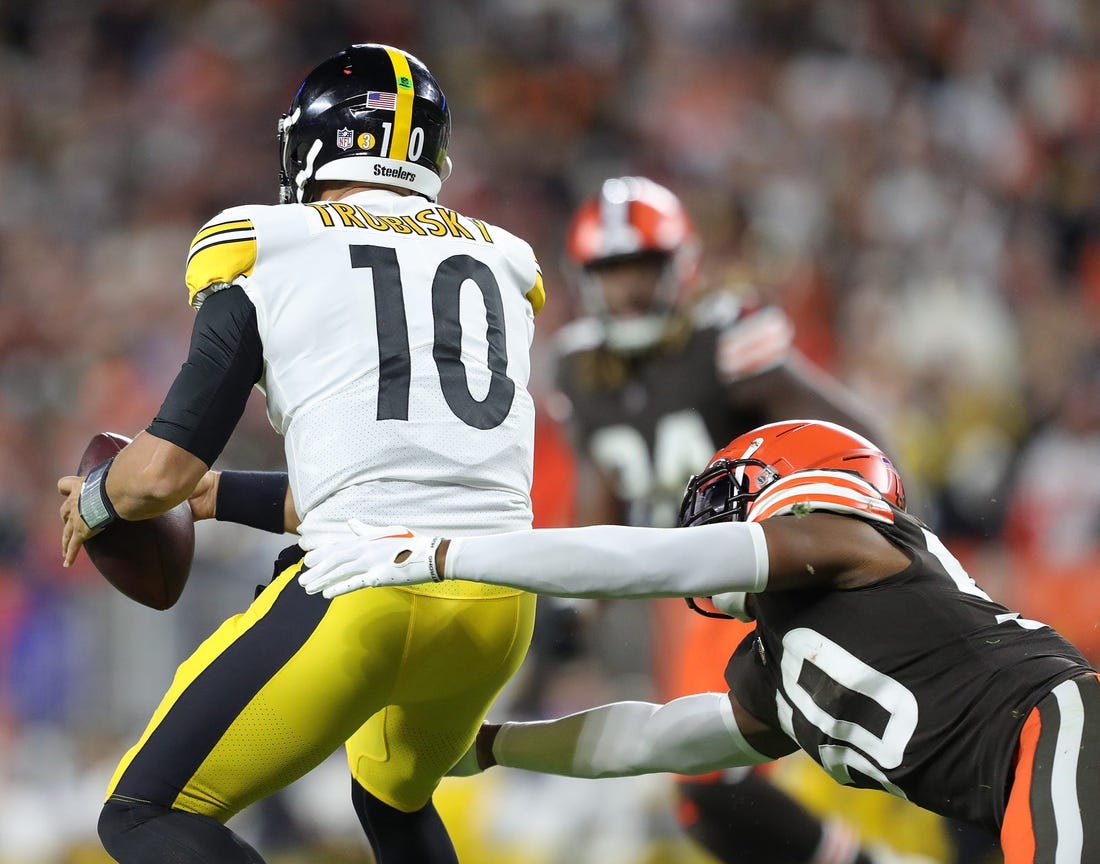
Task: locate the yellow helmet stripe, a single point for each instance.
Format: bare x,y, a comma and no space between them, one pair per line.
402,117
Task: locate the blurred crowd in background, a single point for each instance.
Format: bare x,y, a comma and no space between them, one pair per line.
916,183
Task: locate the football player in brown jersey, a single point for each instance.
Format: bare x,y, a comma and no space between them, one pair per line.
873,650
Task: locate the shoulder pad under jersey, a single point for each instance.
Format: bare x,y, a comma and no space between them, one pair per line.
576,337
718,310
756,342
223,250
821,490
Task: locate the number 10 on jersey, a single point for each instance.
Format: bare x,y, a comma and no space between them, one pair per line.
394,360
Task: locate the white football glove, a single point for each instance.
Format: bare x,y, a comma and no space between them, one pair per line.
369,560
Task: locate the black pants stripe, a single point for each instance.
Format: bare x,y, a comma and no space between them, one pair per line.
179,744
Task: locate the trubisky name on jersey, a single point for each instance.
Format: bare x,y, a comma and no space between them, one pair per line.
430,222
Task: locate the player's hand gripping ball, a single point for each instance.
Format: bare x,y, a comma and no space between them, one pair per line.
147,560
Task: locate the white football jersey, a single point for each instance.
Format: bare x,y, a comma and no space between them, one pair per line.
396,337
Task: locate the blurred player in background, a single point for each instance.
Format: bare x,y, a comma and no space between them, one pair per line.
391,338
652,378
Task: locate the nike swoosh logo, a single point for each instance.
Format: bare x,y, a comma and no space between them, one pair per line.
395,536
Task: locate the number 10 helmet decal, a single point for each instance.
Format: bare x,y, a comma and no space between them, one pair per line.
372,114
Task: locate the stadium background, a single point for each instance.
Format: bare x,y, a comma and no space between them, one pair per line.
915,183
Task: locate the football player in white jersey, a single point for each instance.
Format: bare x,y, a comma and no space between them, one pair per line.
873,650
390,336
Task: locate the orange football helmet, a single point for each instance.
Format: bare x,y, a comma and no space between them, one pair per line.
750,463
633,220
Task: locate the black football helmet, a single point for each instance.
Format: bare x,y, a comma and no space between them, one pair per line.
370,113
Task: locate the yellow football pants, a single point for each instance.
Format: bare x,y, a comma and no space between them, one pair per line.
402,676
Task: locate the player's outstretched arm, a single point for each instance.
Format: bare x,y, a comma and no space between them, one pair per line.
691,735
815,549
598,561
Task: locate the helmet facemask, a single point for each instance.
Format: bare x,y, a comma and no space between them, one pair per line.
634,319
723,492
289,193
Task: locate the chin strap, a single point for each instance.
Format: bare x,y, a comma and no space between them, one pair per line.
706,613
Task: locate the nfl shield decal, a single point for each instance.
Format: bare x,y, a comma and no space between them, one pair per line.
344,139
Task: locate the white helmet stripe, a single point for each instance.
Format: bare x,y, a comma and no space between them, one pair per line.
614,206
754,445
619,236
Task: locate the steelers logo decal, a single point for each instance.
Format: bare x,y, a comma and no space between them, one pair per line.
365,141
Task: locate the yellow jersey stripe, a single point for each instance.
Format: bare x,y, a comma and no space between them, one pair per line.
537,295
402,117
210,230
219,263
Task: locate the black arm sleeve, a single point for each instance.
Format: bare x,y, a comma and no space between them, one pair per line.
211,390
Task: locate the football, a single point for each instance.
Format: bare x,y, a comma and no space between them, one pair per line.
149,560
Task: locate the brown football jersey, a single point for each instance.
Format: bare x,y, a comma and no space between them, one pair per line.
917,684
